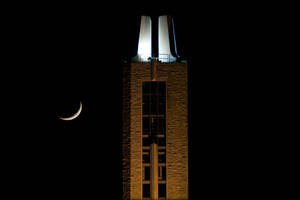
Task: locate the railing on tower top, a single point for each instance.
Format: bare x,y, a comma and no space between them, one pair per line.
163,58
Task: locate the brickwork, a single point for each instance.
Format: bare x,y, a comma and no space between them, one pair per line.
126,133
175,75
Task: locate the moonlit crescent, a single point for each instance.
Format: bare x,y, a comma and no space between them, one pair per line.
73,116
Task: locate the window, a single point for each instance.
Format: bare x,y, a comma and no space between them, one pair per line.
146,174
162,156
154,127
161,190
154,119
162,173
146,125
161,141
154,98
146,156
146,141
158,125
146,190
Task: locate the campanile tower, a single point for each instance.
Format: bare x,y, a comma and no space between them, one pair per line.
155,116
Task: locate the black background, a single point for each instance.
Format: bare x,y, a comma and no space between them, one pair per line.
58,55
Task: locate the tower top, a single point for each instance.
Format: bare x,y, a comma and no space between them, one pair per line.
157,40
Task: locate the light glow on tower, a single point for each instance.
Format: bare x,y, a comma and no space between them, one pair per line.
166,35
144,46
164,52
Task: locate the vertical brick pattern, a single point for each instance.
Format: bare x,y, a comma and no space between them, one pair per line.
177,128
177,131
126,133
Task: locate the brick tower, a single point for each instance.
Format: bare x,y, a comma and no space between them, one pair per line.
155,117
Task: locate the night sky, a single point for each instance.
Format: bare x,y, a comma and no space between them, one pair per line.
59,55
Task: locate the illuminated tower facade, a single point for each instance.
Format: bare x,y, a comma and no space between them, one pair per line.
155,117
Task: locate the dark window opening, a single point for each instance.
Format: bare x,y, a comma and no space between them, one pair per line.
146,141
146,173
146,190
161,190
158,125
146,156
154,94
162,156
155,125
161,141
162,173
154,110
146,125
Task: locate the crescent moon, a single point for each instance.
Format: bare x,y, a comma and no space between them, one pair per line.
73,116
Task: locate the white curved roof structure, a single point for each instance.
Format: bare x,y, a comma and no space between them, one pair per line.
145,40
164,51
166,35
